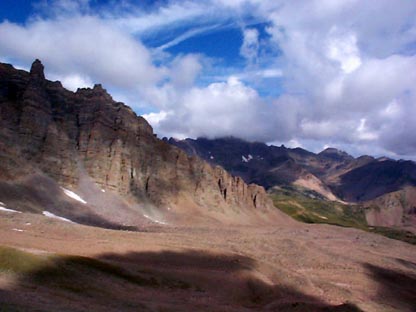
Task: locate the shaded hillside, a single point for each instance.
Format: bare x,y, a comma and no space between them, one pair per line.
353,179
255,162
93,145
333,174
375,179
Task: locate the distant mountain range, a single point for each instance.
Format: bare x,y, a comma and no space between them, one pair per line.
332,173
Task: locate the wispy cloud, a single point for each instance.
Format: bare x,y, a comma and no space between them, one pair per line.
188,34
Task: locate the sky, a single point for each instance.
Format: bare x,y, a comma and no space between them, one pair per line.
307,73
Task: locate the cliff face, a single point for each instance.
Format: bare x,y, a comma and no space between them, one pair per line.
69,136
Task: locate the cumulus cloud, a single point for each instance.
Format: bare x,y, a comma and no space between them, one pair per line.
84,45
335,57
343,49
344,70
184,71
220,109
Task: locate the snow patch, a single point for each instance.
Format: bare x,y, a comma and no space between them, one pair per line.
212,157
8,210
73,195
51,215
18,230
246,159
154,220
103,190
2,204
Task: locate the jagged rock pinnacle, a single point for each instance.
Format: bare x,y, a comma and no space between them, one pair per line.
98,86
37,69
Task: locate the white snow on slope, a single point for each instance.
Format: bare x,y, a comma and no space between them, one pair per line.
154,220
51,215
8,210
73,195
246,159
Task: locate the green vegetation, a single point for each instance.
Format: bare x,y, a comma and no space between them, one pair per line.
310,207
76,273
16,261
404,236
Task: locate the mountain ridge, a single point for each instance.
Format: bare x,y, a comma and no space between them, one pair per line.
334,174
91,144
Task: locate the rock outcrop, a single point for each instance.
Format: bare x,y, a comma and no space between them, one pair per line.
72,137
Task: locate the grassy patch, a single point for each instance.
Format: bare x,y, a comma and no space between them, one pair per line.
306,206
310,208
402,235
16,261
77,274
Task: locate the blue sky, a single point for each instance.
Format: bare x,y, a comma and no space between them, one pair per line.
304,73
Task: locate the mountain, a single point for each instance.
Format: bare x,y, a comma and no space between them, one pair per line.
333,174
80,157
83,156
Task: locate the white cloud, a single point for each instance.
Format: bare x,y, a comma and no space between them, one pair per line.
182,37
346,69
363,133
346,59
220,109
73,81
155,118
184,71
271,73
173,14
250,46
343,49
83,46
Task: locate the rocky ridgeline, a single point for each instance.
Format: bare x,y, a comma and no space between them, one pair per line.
66,134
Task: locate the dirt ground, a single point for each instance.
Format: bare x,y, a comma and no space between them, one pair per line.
296,267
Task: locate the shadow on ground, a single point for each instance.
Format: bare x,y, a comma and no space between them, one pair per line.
396,289
149,281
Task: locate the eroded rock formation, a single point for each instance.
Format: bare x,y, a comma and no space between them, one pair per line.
67,135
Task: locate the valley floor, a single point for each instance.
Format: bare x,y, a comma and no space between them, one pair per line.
52,265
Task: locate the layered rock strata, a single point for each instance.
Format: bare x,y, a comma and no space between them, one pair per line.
69,135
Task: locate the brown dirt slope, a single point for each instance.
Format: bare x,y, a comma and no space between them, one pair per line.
56,265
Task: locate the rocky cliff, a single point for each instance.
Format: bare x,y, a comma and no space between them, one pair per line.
92,144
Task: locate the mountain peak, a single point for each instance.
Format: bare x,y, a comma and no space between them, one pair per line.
97,90
37,70
99,87
332,152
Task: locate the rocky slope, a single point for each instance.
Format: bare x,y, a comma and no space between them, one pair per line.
334,174
393,209
99,148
